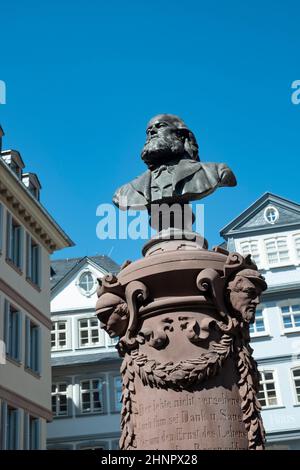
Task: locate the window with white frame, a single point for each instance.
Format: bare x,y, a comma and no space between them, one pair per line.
267,395
258,327
33,347
117,387
297,246
59,397
14,244
291,316
59,335
91,396
33,261
251,247
296,377
13,331
90,333
271,214
87,283
277,250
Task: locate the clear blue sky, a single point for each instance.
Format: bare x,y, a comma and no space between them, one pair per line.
84,77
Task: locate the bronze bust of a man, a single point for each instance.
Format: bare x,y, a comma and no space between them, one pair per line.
175,173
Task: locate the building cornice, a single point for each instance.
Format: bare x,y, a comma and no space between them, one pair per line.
18,401
274,359
24,304
84,437
283,435
31,212
244,231
277,291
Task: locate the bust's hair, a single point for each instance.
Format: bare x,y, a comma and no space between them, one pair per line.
190,142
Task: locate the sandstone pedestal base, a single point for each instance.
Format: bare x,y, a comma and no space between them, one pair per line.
189,380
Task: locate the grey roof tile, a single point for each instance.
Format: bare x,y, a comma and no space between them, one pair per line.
61,267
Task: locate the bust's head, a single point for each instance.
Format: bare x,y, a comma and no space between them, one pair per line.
168,139
244,293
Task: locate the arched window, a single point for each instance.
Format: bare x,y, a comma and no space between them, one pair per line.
277,250
251,247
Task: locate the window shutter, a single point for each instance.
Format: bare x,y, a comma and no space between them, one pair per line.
27,343
38,434
19,333
17,429
20,247
4,425
8,236
39,266
28,257
39,350
6,326
26,431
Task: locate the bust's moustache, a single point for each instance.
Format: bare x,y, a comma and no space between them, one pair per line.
158,148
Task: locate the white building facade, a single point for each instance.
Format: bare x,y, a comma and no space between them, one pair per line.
28,235
270,231
86,384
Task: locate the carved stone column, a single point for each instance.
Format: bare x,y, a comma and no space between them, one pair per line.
182,315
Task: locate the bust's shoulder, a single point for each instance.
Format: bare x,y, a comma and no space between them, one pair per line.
144,176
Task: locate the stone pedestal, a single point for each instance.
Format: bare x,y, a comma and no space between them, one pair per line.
189,380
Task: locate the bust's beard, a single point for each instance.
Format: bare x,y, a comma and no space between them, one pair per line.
159,150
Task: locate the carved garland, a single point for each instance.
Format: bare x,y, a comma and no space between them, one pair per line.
187,373
167,375
248,387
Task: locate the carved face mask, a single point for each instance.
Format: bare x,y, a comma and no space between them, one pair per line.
244,297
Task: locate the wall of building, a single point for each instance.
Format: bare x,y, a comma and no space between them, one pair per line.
71,304
276,347
78,427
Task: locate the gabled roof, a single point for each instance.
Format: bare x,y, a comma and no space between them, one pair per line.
62,268
253,220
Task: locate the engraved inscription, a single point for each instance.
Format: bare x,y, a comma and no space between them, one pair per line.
206,419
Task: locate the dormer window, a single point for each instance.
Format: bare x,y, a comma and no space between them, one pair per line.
31,181
13,159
